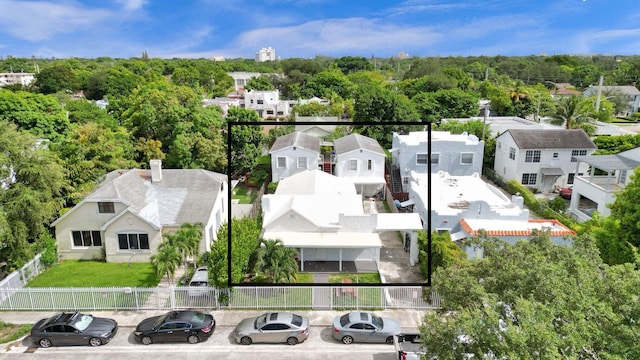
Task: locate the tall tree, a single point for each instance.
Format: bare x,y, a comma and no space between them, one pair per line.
246,140
535,299
57,77
166,260
32,179
570,112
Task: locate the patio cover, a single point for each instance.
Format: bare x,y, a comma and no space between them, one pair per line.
609,163
398,222
319,240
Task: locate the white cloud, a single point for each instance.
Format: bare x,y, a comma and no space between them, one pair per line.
132,4
41,20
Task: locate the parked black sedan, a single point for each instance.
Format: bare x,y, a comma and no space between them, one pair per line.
184,325
73,328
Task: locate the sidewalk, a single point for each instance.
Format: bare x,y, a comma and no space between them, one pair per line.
409,319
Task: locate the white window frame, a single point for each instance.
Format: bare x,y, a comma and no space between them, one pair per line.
353,164
422,159
137,234
284,164
302,162
83,236
369,164
512,153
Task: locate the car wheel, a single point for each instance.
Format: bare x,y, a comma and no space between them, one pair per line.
389,340
146,340
292,340
245,340
347,340
45,343
193,339
95,341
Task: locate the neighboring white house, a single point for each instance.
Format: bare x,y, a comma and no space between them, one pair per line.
455,154
126,216
24,79
294,153
266,103
465,205
323,218
542,159
361,160
593,192
631,94
240,78
223,102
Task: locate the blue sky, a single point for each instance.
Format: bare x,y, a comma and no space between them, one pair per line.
306,28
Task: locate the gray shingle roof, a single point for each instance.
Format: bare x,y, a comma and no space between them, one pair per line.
552,139
353,142
624,89
298,139
183,195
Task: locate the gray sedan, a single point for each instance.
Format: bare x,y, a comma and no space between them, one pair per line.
276,327
359,326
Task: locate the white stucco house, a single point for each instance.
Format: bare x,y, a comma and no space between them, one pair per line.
360,159
456,154
294,153
542,159
266,103
465,206
131,209
594,192
323,218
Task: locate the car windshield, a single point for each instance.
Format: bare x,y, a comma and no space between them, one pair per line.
260,321
160,321
83,322
377,321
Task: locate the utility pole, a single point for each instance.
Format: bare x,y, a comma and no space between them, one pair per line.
599,93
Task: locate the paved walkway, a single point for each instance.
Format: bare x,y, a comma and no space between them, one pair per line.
159,297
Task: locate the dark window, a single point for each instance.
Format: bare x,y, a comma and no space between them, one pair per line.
86,238
369,327
275,327
532,156
133,241
106,208
577,153
466,158
512,153
571,178
358,326
529,179
296,320
369,164
422,158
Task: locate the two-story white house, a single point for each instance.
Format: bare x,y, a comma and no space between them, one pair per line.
594,191
266,103
456,154
360,159
542,159
294,153
125,218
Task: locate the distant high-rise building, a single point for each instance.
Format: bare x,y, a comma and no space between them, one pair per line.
402,55
266,54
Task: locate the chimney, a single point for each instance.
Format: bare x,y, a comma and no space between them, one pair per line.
156,170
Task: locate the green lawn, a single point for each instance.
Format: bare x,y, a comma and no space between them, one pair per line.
244,195
366,278
83,273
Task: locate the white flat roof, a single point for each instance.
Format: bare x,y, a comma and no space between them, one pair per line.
393,221
326,239
451,195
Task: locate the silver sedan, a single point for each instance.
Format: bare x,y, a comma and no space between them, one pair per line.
358,326
275,327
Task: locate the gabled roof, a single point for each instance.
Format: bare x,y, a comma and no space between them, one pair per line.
551,139
297,139
183,195
625,89
354,142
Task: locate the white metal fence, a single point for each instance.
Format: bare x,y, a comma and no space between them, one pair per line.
319,298
20,277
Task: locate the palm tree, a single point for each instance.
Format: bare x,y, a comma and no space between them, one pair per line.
570,112
276,261
166,260
187,239
518,92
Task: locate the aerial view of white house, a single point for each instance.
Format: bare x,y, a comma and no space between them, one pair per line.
595,191
455,154
542,159
465,206
361,160
293,153
131,210
324,219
